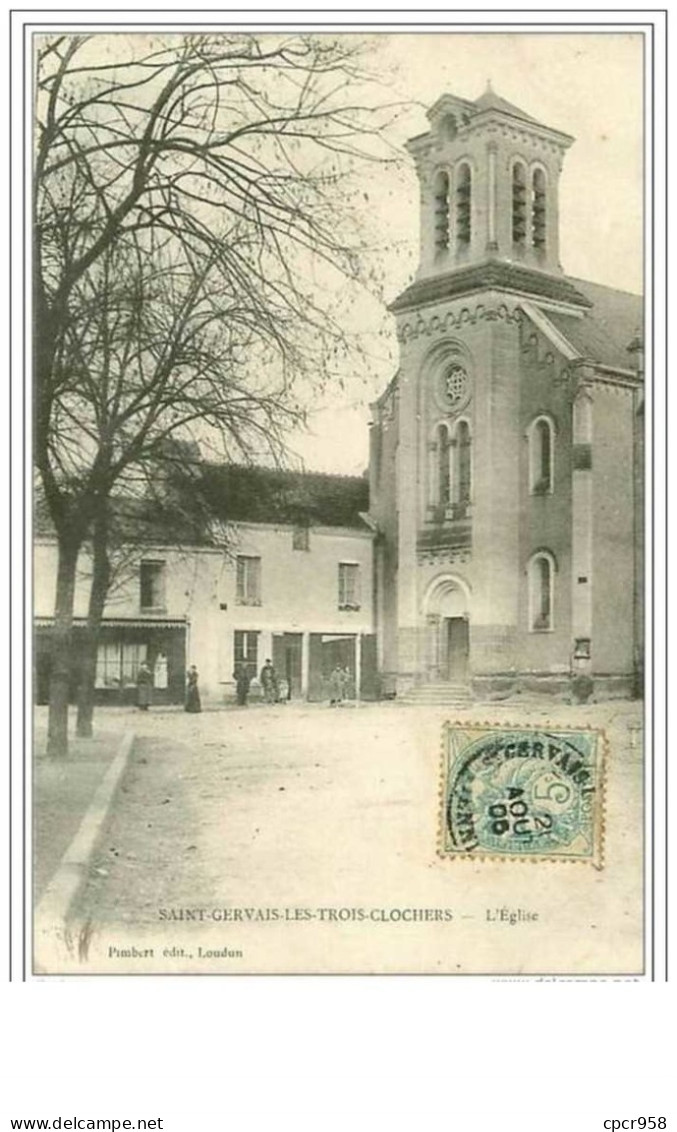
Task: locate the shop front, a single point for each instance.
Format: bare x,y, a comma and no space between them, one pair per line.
123,645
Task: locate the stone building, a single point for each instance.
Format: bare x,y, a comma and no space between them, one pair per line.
257,564
506,459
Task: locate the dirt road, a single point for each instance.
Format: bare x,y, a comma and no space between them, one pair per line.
282,812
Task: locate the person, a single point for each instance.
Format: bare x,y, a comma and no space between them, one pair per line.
336,685
269,683
346,683
242,681
144,687
192,692
160,672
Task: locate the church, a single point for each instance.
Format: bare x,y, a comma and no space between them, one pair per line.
506,462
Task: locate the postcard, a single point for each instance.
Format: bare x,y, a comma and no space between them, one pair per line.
339,511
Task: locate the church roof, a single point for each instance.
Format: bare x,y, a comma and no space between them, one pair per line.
605,332
492,274
610,320
487,102
492,101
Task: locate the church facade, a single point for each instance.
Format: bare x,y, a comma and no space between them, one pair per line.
506,454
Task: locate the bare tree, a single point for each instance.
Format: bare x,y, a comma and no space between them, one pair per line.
189,234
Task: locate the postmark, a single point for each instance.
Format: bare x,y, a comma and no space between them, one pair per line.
526,793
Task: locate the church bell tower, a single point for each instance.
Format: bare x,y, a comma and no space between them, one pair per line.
471,467
489,177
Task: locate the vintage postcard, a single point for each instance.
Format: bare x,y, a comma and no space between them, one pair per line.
338,509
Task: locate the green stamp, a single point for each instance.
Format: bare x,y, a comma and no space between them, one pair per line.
527,793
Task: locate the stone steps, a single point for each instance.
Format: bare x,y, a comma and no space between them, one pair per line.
447,695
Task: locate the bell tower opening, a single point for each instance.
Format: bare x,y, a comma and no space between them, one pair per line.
539,206
519,205
463,205
441,217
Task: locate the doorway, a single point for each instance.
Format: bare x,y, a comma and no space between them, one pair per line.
287,661
447,610
455,648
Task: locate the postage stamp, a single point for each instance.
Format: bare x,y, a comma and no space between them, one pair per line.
528,793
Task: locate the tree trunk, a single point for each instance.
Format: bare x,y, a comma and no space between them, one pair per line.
62,649
97,600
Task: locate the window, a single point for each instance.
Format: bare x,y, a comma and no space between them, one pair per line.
538,220
519,204
246,648
463,205
442,211
443,466
462,467
541,573
248,580
132,655
108,665
349,586
301,538
541,479
117,663
152,579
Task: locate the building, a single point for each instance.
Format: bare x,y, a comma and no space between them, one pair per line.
506,452
498,543
283,570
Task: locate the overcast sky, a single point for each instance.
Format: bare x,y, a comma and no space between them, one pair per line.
589,86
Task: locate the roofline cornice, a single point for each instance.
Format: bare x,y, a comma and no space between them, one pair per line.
613,375
493,121
494,117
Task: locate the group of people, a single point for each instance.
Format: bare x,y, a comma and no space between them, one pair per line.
339,683
270,685
145,684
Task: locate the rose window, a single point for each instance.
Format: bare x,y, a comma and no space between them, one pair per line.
455,385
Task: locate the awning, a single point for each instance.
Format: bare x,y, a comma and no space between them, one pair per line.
120,622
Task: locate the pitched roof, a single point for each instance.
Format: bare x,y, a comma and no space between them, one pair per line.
143,519
605,332
188,502
270,495
492,101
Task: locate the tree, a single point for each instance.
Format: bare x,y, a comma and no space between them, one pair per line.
171,500
190,229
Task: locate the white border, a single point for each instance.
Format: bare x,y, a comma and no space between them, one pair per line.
656,361
400,1053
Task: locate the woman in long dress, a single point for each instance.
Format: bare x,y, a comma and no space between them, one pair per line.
192,692
144,687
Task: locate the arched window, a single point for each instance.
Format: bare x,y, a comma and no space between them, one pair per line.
541,453
538,218
443,466
463,205
541,595
462,464
442,211
519,203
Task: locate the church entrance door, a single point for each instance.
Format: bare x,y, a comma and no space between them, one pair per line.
447,610
455,646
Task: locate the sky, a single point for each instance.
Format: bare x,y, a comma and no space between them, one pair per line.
589,86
